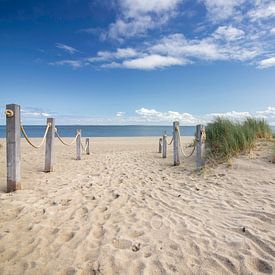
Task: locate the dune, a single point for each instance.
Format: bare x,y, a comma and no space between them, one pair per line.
125,210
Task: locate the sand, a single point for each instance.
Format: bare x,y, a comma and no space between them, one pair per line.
125,210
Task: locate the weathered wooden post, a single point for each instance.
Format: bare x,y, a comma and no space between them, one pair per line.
78,145
87,146
49,154
160,145
13,140
200,146
176,144
164,146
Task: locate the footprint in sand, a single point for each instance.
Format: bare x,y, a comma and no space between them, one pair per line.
259,265
122,243
156,222
98,232
65,237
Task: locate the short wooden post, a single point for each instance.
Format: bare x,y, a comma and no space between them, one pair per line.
176,144
78,145
49,154
200,146
164,146
13,140
160,145
87,146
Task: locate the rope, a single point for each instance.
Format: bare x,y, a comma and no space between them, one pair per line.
194,145
65,143
171,141
84,148
29,141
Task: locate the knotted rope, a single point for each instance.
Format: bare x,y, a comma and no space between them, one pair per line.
65,143
28,139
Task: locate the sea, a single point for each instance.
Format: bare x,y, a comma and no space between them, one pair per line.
106,131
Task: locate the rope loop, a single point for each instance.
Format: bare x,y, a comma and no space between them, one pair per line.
181,148
84,148
65,143
9,113
28,139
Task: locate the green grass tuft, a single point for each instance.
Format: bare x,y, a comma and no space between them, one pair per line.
226,138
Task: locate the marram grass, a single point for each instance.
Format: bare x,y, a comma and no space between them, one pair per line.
227,138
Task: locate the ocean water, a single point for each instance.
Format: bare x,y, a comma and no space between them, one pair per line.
107,131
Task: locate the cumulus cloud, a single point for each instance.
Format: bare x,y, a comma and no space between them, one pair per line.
235,36
268,113
135,8
151,115
66,48
222,9
151,62
207,48
228,33
230,115
262,11
120,114
139,16
267,63
120,53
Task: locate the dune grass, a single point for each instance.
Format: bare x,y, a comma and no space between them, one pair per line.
227,138
273,154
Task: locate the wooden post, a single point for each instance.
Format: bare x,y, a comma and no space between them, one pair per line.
164,146
176,144
200,146
13,140
87,146
49,154
160,145
78,146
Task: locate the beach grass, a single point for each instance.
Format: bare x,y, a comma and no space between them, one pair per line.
273,154
227,138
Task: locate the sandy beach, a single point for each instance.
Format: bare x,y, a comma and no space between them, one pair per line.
125,210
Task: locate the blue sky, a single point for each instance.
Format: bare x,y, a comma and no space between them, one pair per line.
137,61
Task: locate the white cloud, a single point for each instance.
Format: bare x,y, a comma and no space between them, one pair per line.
120,114
207,48
151,115
151,62
120,53
262,11
221,9
75,64
133,8
267,63
268,113
230,115
139,16
272,30
228,33
66,48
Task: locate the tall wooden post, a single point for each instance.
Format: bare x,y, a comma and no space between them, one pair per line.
160,145
13,140
78,146
200,146
176,144
87,146
164,146
49,154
